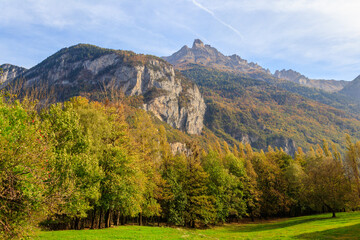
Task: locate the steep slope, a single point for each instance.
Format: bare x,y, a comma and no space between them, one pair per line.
326,85
9,73
262,114
94,72
352,89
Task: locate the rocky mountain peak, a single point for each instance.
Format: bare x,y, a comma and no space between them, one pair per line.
198,44
206,55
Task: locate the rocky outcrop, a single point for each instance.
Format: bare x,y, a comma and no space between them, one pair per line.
279,141
9,73
85,68
179,148
326,85
287,144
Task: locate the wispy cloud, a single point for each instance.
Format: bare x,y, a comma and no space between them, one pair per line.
217,18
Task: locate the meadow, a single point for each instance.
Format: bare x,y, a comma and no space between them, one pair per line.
323,226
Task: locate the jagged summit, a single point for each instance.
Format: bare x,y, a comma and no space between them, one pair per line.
206,55
198,44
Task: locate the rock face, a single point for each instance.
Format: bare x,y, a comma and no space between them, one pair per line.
9,73
85,68
287,144
179,148
326,85
204,54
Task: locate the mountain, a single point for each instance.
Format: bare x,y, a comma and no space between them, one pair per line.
97,73
352,89
10,72
208,56
326,85
247,103
205,55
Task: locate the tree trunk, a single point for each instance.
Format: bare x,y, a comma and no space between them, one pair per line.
140,219
100,219
116,218
123,220
333,214
93,219
77,221
107,218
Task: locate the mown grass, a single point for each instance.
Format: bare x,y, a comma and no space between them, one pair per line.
345,226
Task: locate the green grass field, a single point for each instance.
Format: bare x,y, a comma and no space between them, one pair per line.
345,226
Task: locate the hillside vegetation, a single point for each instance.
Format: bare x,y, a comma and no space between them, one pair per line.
258,112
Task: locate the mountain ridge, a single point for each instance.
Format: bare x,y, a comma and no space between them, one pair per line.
208,56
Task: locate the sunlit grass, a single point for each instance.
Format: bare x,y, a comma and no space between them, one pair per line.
345,226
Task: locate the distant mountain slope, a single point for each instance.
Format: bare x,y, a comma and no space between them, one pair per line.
326,85
262,114
10,72
336,100
97,73
352,89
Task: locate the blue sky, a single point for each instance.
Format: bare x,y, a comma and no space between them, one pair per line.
319,38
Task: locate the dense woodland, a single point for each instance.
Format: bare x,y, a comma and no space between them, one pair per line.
87,164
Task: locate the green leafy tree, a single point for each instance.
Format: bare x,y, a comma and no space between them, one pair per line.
76,167
24,169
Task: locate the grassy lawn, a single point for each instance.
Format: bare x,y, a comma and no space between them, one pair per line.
345,226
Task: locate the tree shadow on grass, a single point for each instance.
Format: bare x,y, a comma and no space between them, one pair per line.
349,232
277,225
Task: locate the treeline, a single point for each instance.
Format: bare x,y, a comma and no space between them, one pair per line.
82,164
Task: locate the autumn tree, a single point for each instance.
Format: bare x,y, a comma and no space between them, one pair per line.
325,183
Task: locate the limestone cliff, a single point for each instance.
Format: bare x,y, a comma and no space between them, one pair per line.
89,69
9,73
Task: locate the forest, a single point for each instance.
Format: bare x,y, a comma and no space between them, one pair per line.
88,164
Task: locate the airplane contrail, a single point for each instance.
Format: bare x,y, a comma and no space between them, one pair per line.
199,5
